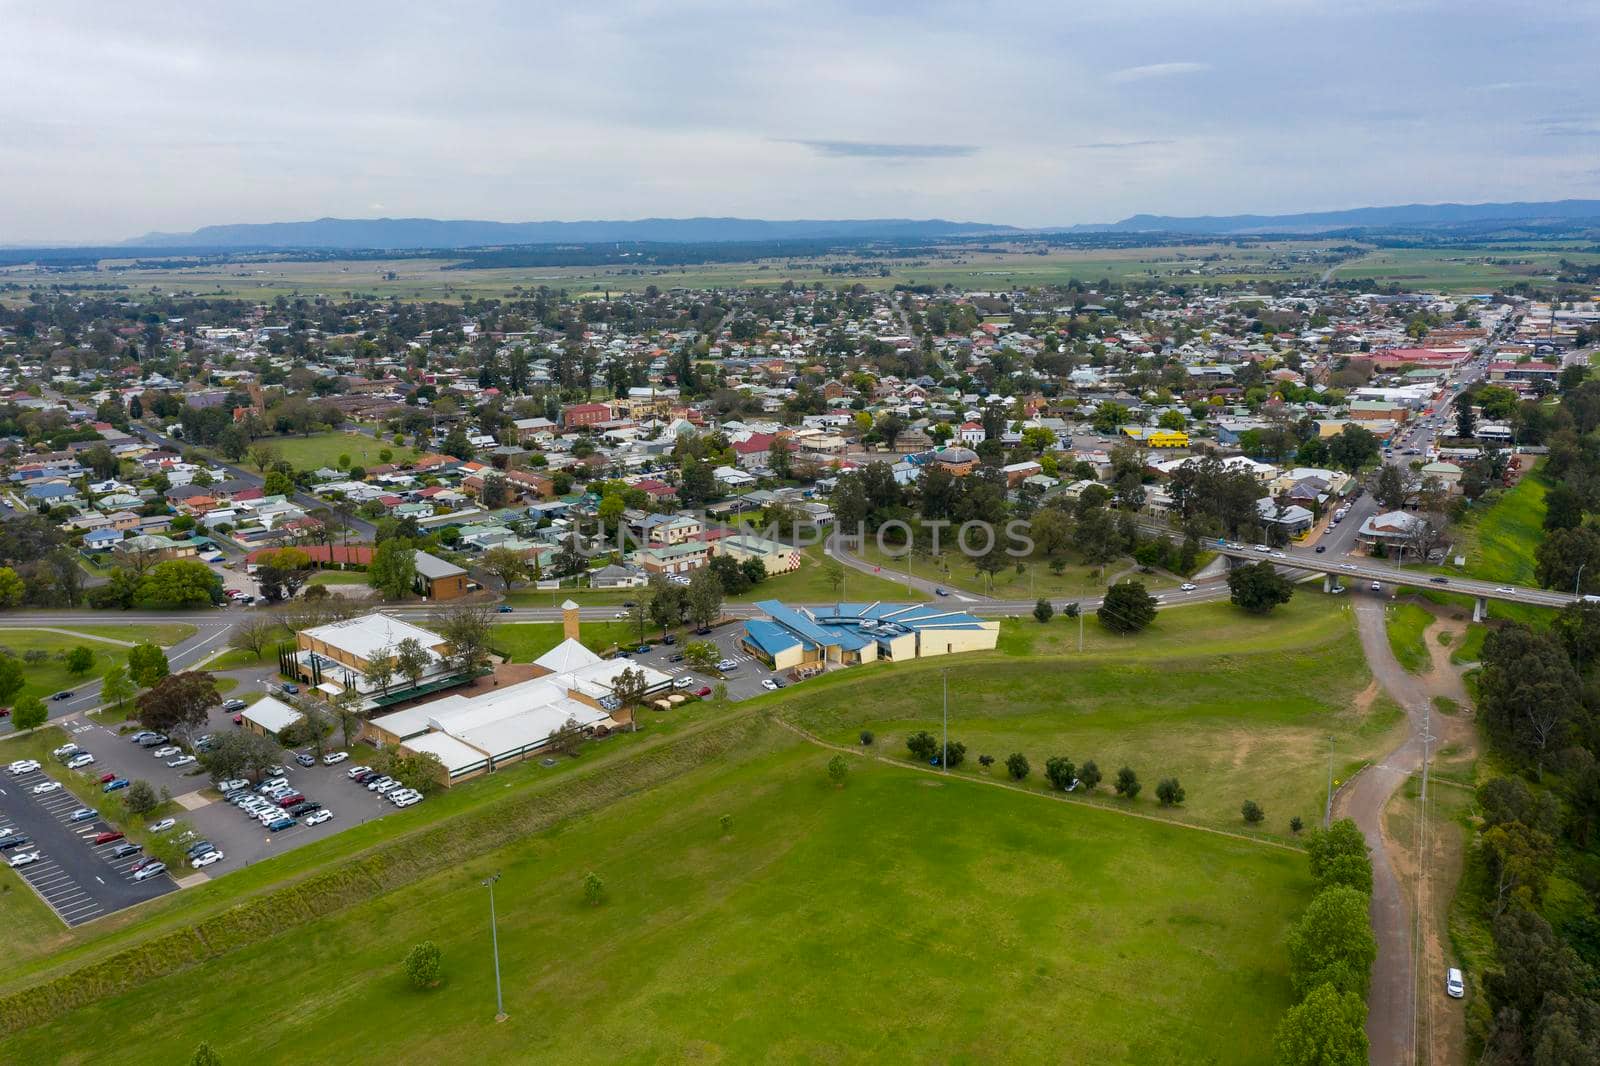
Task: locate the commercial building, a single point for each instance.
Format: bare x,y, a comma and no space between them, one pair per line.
847,634
361,653
1156,438
269,717
439,579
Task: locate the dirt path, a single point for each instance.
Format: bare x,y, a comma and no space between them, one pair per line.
1393,1007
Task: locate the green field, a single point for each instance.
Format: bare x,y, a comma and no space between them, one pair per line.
524,642
44,678
324,449
338,577
1236,707
1406,624
898,917
951,568
1462,269
1499,540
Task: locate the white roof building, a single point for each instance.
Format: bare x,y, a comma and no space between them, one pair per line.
271,715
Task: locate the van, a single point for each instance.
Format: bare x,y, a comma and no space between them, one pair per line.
1454,986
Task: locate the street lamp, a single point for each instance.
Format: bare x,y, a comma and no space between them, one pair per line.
494,934
1577,582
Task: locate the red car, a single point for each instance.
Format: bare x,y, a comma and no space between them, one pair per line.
5,712
291,799
238,719
109,775
703,691
108,837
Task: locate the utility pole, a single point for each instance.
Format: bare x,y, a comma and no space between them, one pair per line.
494,934
1080,627
944,757
1577,582
1327,811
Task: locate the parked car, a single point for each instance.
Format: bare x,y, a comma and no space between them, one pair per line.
233,785
408,801
726,664
166,751
305,807
124,849
641,649
1377,586
24,766
703,691
142,863
109,775
114,784
682,682
290,687
79,760
82,814
13,840
141,734
318,817
182,760
334,758
1454,986
291,799
669,639
355,772
205,860
45,786
234,705
23,858
155,869
305,759
199,848
386,786
769,684
378,782
108,836
280,824
64,750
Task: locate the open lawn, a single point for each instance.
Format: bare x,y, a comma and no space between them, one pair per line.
324,449
526,641
1470,650
339,577
165,634
1462,268
1406,624
951,568
896,918
1235,706
50,675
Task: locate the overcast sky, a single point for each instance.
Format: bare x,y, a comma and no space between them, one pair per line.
118,119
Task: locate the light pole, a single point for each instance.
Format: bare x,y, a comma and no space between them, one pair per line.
944,756
1577,582
494,935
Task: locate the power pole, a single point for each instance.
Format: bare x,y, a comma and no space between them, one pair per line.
944,757
494,934
1327,811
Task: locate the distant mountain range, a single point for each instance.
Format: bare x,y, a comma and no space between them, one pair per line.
410,234
417,234
1424,216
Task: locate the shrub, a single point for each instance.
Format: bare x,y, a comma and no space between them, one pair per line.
986,761
1295,824
1169,792
726,824
1017,766
922,745
866,738
422,964
1127,783
838,770
1060,772
1252,812
594,889
1089,775
205,1055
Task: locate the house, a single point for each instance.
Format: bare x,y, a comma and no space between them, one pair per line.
154,548
1391,527
971,434
439,579
1291,518
674,558
615,576
579,415
778,558
1017,473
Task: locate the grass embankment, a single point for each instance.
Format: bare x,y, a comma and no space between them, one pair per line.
1407,625
47,675
1235,706
896,916
1470,650
1075,582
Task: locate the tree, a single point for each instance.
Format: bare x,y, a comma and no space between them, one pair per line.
1528,693
412,660
147,664
253,634
79,660
12,678
566,738
833,574
704,597
1252,812
1393,488
1295,824
1017,766
1333,943
179,583
179,702
1327,1028
1126,608
393,570
506,564
1466,420
1169,792
1258,587
1338,855
1089,776
838,770
141,798
468,630
866,738
116,688
29,713
955,753
701,654
12,588
594,889
1060,772
922,745
203,1055
422,964
283,573
1567,556
381,669
1043,611
1127,783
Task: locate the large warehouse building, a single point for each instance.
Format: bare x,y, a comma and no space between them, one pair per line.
849,633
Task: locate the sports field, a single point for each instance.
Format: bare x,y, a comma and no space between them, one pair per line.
894,918
324,449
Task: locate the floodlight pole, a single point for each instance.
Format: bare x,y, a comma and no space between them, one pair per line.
944,759
494,935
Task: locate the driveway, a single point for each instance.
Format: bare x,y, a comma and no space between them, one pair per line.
743,682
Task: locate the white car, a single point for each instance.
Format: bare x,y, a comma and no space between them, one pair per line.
83,758
206,860
334,758
1188,587
620,614
64,750
23,858
166,752
769,684
356,771
726,664
162,826
1279,555
1505,591
182,760
145,873
682,682
231,785
318,817
400,795
47,786
1454,986
387,786
24,766
408,801
1348,566
381,782
1263,549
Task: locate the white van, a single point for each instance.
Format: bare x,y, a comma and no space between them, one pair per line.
1453,985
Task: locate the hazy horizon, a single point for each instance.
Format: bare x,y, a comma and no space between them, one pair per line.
123,122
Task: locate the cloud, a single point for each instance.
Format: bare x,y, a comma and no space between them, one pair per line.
1156,70
884,150
1571,129
1119,145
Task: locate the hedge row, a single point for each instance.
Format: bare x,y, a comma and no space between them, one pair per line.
384,869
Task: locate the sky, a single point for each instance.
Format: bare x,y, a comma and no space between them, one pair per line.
117,120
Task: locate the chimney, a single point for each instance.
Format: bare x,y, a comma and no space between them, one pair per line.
569,620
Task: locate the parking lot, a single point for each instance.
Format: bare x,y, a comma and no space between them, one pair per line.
743,682
79,880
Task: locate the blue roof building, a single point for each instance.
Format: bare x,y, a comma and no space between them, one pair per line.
849,633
